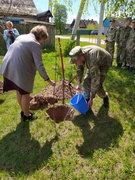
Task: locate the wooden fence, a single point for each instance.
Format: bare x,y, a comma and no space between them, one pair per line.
25,29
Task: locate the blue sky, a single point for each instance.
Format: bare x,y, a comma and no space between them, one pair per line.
42,5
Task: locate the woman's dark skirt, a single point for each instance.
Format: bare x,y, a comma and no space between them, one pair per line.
9,85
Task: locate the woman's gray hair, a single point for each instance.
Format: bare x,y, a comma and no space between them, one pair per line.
40,32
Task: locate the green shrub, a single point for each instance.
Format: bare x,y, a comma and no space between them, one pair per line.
2,52
68,46
48,48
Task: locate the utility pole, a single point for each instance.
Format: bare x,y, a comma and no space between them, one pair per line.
100,23
82,4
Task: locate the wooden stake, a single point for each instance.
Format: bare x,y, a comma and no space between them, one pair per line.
62,66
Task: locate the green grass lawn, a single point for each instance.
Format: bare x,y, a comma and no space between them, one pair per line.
92,36
95,146
88,36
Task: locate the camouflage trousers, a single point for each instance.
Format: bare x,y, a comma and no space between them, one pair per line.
110,48
121,55
130,58
87,85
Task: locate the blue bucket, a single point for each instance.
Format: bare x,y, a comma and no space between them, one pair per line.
79,103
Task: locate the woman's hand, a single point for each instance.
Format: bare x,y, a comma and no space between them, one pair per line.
90,102
51,82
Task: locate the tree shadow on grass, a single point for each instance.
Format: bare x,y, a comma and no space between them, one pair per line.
103,134
22,154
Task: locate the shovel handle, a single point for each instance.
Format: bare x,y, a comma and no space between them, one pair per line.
72,79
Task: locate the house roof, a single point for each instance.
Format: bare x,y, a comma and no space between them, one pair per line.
67,26
18,7
84,23
45,14
37,22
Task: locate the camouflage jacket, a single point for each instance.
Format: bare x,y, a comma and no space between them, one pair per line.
131,40
111,34
122,35
97,63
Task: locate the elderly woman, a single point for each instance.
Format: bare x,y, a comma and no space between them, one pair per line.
19,67
10,34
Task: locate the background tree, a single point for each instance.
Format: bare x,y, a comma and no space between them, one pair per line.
92,27
60,17
113,7
120,8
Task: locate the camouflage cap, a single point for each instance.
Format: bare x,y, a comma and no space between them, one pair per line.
133,20
74,53
112,20
128,19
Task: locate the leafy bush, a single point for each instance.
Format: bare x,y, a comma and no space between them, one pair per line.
68,46
49,48
2,52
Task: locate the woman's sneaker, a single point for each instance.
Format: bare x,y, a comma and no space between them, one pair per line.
106,102
28,118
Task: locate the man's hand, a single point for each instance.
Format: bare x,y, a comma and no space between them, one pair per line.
90,102
78,87
52,83
106,41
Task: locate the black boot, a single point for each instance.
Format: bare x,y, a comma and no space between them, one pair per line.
131,69
127,67
118,65
106,102
125,64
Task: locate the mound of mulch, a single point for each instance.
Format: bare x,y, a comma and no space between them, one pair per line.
60,113
1,87
50,95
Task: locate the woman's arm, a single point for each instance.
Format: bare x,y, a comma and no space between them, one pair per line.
15,32
37,55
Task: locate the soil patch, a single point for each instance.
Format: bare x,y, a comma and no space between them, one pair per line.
60,113
41,101
69,90
51,95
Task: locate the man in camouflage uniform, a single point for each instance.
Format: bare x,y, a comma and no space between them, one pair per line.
97,62
110,37
130,48
121,39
